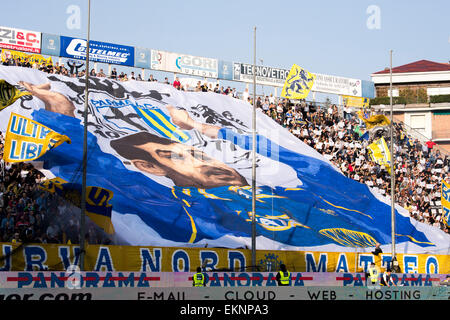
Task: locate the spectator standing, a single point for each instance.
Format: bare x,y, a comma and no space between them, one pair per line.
114,74
283,276
177,84
386,279
245,95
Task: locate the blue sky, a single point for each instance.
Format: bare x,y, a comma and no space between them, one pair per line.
329,37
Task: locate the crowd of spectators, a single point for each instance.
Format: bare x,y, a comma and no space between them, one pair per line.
29,214
334,133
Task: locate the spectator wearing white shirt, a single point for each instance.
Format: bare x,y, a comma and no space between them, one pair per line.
245,95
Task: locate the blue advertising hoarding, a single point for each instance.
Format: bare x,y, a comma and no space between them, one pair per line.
225,70
50,44
142,57
98,51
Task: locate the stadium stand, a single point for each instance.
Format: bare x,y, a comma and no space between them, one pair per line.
420,168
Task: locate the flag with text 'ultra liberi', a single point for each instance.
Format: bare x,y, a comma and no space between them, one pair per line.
28,140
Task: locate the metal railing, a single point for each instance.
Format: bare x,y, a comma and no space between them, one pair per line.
422,138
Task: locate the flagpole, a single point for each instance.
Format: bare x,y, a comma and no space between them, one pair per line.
254,156
392,162
85,117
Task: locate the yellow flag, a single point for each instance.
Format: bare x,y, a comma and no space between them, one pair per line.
298,83
9,94
28,140
379,153
445,202
32,57
359,102
375,120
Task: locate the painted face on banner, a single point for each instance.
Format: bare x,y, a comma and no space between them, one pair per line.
117,112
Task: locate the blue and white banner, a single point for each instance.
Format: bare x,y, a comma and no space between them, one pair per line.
98,51
337,85
179,166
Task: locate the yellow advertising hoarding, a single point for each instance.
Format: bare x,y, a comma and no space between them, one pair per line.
58,257
357,102
32,58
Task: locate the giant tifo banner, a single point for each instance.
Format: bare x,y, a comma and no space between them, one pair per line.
179,167
98,51
20,39
184,64
102,258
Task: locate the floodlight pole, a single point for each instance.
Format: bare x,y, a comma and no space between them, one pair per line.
254,156
392,165
85,117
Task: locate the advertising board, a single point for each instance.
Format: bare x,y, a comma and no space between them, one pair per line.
98,51
20,39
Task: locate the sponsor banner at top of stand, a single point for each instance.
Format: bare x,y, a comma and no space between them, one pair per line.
20,39
98,51
276,77
264,75
184,64
337,85
142,57
51,44
225,70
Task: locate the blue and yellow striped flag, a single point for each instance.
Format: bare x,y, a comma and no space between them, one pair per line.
161,123
298,83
